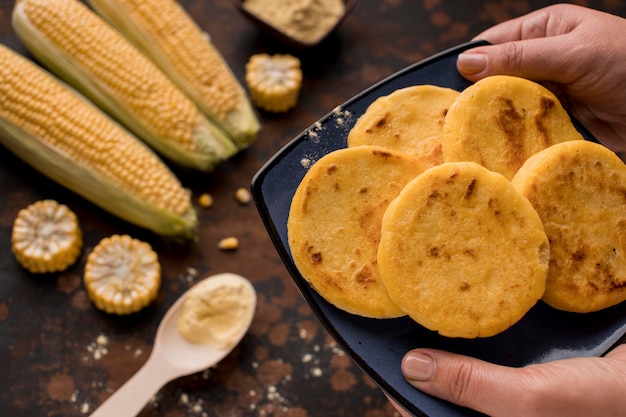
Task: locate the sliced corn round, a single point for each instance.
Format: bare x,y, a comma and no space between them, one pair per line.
274,81
46,237
122,275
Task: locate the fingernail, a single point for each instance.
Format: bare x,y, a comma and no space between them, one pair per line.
418,366
470,63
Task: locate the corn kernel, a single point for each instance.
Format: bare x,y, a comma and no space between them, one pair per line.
205,200
229,243
242,195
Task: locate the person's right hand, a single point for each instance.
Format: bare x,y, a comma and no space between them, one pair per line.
579,53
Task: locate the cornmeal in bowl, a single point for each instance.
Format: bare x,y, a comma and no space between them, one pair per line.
334,225
501,120
408,120
462,252
579,190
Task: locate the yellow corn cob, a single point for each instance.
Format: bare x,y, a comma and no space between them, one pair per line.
46,237
122,275
274,81
166,33
71,141
81,48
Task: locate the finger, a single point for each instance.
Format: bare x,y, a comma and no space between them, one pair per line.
532,59
550,21
566,387
462,380
611,135
530,26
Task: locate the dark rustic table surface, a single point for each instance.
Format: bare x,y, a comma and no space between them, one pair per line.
59,356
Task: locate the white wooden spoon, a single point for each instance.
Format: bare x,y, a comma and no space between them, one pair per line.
172,357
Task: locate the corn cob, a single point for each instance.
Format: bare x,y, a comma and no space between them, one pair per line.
165,32
46,237
274,81
67,138
122,275
81,48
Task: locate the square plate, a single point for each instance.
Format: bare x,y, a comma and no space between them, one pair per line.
377,346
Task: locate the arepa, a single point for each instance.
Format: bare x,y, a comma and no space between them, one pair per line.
462,252
334,225
579,190
408,120
501,120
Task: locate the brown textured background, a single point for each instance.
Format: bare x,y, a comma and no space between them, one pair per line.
52,363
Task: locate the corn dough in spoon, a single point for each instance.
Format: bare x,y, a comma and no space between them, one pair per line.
216,310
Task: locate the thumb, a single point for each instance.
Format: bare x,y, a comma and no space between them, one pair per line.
463,380
583,386
535,59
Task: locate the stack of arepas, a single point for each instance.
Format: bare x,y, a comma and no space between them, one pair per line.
462,210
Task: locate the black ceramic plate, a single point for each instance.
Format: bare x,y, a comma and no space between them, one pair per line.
377,346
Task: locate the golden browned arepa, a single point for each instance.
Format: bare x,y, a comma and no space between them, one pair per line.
579,190
462,252
334,225
501,120
408,120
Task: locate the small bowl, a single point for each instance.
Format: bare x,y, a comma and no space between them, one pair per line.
283,37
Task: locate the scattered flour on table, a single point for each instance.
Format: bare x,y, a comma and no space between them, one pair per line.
189,276
98,348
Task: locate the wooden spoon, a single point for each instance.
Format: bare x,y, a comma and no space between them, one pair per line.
172,357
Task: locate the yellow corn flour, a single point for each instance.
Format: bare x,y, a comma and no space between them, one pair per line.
304,20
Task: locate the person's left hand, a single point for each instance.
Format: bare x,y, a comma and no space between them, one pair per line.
577,387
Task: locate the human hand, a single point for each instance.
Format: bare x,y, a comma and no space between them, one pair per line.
577,387
578,52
